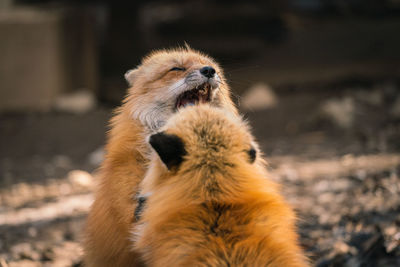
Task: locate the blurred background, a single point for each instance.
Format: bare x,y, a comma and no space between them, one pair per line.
318,80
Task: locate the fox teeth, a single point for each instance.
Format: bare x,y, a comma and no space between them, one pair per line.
203,90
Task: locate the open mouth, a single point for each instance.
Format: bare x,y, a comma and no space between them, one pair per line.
199,94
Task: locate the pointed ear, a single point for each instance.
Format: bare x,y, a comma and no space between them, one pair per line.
130,76
169,147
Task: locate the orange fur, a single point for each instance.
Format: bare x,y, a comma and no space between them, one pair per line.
107,241
217,208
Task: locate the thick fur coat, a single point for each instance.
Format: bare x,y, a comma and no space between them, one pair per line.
156,85
209,201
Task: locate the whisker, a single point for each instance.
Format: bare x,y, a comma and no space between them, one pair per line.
238,98
179,87
235,96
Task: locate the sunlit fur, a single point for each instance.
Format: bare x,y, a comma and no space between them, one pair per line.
146,107
155,88
217,208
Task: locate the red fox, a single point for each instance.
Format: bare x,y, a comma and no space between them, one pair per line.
206,199
165,81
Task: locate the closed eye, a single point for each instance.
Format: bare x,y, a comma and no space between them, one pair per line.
177,69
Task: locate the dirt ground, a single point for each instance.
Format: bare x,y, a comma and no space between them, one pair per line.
335,148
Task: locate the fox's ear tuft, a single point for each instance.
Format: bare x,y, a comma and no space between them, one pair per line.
130,76
169,147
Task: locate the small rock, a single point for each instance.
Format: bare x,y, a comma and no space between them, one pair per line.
97,156
77,102
361,174
290,173
32,232
259,97
391,246
48,255
390,231
80,178
24,251
342,247
326,197
340,111
397,236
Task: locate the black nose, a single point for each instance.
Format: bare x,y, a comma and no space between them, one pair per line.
207,71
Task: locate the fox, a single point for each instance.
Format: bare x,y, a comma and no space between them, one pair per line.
206,199
164,82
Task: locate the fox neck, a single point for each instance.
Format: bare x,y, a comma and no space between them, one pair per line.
126,141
